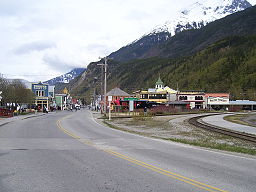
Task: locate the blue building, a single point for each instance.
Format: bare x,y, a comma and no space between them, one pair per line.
41,92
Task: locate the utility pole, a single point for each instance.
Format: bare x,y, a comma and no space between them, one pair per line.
105,83
105,86
101,88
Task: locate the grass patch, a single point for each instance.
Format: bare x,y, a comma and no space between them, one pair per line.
201,142
123,129
224,147
237,119
26,113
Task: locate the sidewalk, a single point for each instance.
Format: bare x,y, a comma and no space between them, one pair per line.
4,121
217,120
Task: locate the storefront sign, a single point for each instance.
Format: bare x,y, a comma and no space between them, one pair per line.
131,105
109,98
218,100
40,87
130,99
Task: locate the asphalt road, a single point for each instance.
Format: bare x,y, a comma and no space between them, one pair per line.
69,151
218,120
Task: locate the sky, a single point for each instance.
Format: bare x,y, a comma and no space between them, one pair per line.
42,39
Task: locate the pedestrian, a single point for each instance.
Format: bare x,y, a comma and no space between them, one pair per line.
145,111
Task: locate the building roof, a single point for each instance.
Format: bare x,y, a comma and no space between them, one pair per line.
242,102
159,82
191,93
216,94
117,92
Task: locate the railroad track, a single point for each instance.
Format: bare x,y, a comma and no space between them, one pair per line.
232,133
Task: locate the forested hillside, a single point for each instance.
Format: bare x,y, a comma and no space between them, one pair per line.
220,57
226,66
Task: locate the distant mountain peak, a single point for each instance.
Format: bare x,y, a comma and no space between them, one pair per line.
201,13
195,16
67,77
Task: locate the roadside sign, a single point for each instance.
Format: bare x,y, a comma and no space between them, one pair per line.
131,105
130,99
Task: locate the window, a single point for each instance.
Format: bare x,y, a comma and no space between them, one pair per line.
199,98
183,98
144,96
40,93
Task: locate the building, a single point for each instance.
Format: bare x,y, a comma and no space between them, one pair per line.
63,100
195,98
239,105
116,94
41,91
217,101
159,94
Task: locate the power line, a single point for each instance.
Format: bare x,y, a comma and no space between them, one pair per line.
3,74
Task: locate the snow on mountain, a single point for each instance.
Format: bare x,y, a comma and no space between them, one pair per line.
66,78
201,13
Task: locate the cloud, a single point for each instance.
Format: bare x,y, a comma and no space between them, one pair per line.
53,36
34,46
57,63
14,7
96,48
137,15
62,61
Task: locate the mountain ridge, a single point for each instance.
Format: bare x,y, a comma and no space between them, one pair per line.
201,13
148,45
67,77
173,58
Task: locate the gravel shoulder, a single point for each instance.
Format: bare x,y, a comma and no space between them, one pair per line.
177,128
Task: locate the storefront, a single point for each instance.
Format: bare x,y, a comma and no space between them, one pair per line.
42,94
195,98
217,101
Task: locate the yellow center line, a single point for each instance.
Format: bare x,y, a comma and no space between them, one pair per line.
141,163
186,180
162,170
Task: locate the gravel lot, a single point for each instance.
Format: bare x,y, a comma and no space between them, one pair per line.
175,127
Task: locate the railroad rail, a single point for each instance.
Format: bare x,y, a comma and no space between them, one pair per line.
229,132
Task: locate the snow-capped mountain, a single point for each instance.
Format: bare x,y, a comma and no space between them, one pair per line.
200,14
66,78
194,16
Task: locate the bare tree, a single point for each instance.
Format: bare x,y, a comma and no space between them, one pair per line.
15,92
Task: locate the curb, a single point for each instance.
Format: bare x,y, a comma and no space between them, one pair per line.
22,118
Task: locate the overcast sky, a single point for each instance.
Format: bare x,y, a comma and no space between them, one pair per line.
41,39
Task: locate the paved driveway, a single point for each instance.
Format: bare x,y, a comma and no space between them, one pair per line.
218,120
